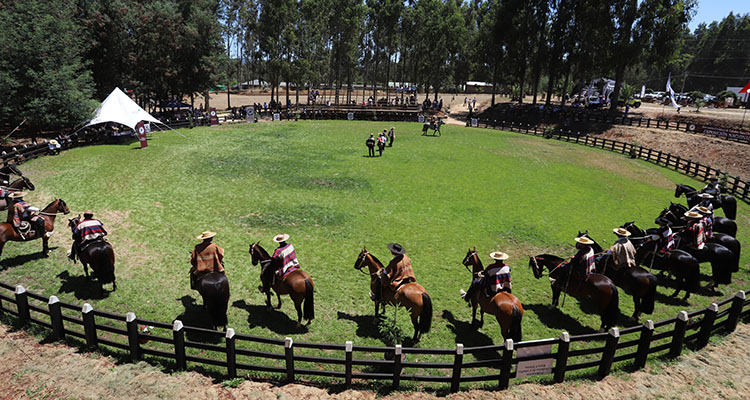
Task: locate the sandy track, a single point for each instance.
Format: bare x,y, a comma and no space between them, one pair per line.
31,370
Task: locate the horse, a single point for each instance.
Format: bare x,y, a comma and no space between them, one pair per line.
100,255
297,284
434,126
506,308
8,170
214,289
635,281
721,224
725,201
411,296
684,267
8,232
21,183
598,287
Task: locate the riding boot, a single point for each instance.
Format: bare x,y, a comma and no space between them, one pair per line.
472,289
192,281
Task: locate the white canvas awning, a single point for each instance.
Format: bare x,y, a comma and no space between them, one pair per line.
120,108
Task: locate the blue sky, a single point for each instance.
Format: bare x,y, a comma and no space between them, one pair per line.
716,10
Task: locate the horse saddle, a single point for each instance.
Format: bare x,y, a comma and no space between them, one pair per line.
84,246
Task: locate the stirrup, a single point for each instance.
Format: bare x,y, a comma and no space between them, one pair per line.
372,296
462,293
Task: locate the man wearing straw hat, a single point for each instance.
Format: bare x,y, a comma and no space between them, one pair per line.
288,256
622,252
706,201
582,264
494,279
695,237
666,236
713,187
85,232
206,257
20,213
707,221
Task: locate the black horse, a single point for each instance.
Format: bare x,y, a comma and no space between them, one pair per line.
725,201
100,256
214,288
635,281
721,224
684,267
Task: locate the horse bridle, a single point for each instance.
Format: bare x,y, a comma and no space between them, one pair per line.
465,262
262,263
536,268
360,262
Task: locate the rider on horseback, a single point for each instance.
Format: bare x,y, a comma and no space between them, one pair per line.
397,273
206,257
622,252
706,201
707,221
696,235
85,232
495,278
665,236
21,215
713,187
288,257
582,264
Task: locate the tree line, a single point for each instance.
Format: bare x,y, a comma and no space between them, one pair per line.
65,53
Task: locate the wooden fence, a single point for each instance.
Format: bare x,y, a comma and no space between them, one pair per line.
26,152
582,115
347,361
732,185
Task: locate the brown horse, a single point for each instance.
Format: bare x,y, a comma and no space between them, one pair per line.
297,284
411,296
598,287
48,214
100,255
504,306
21,183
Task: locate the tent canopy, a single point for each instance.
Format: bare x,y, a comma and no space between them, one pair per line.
120,108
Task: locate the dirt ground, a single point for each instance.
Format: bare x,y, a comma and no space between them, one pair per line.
32,370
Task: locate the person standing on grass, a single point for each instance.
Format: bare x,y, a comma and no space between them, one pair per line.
391,136
370,142
381,144
206,257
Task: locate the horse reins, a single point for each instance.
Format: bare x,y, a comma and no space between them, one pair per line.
465,262
360,261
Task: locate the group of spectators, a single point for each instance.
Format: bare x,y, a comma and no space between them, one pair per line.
434,104
383,137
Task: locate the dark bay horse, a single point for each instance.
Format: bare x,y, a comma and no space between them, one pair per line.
598,287
297,284
22,183
725,201
635,281
100,255
48,214
721,224
214,289
504,306
411,296
684,267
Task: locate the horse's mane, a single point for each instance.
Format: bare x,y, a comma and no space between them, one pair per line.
683,186
262,251
377,261
550,256
50,204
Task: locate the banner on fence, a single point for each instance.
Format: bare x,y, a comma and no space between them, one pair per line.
420,118
474,122
213,117
249,114
276,116
350,116
720,132
534,367
141,131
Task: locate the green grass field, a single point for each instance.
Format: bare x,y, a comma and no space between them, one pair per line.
436,196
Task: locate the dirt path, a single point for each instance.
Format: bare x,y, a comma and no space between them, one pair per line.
30,370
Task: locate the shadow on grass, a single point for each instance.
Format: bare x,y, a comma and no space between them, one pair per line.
82,288
471,337
274,320
197,316
22,259
555,319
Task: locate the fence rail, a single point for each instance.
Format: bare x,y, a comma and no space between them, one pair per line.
733,185
667,337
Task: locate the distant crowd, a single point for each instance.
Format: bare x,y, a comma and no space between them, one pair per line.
384,137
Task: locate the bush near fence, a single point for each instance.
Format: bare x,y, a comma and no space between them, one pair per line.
637,343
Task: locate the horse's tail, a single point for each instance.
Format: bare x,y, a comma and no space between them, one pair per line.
221,301
309,306
515,323
648,300
729,205
425,318
613,308
102,255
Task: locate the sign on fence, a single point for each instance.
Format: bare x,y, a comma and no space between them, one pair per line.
249,114
350,116
213,117
147,126
534,367
276,116
721,132
141,131
420,118
474,122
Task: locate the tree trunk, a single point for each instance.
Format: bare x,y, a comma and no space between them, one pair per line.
615,96
520,89
565,87
375,78
537,73
207,99
387,78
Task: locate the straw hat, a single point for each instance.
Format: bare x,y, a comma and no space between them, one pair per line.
396,248
53,142
705,196
16,195
693,214
704,210
498,255
621,232
281,237
206,235
584,240
88,212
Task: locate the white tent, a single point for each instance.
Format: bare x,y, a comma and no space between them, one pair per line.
120,108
